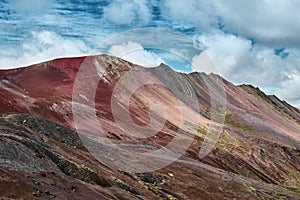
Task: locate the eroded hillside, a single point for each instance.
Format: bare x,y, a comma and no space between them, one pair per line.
256,157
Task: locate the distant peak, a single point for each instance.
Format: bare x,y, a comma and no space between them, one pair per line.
164,66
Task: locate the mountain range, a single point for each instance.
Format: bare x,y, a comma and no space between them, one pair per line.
88,127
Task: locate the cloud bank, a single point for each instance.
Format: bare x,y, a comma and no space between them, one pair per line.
40,47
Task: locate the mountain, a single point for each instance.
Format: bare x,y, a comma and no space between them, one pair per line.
59,116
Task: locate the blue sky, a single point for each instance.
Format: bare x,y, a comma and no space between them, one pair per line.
255,42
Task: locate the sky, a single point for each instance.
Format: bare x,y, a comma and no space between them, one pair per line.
253,42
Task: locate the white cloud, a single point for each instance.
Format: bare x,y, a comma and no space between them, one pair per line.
189,13
136,53
204,63
227,51
289,89
42,46
237,60
128,12
274,22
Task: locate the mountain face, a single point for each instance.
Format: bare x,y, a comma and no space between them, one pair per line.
50,137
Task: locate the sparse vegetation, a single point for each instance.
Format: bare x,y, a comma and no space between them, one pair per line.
295,191
225,191
36,195
48,142
143,184
284,148
253,191
54,184
116,180
230,121
36,192
124,186
74,188
171,197
87,168
297,150
36,182
199,129
50,194
215,151
276,194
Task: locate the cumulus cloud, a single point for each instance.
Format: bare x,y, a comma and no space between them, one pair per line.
289,89
128,12
238,60
272,22
42,46
189,13
204,63
227,51
136,53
